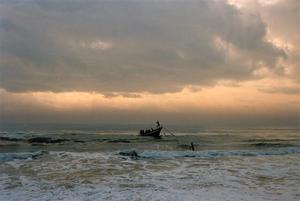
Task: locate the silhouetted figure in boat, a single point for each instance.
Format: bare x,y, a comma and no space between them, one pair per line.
158,124
152,132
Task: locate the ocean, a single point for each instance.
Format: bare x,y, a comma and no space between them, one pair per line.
111,162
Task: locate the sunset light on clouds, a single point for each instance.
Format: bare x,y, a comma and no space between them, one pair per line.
203,61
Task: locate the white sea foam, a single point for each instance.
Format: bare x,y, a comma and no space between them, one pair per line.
244,166
109,176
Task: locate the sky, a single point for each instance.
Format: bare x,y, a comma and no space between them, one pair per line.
206,62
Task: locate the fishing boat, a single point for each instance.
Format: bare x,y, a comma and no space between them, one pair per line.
152,132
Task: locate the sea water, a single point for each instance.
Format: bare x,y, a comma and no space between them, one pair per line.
96,163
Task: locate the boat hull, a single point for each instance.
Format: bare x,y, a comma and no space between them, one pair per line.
152,133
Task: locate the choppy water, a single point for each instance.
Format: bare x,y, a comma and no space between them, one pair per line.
86,164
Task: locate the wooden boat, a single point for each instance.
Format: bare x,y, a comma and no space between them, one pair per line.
152,132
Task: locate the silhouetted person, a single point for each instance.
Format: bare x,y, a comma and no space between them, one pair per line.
192,146
157,123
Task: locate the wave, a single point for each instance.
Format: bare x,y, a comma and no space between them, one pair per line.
11,139
135,154
5,157
150,154
267,144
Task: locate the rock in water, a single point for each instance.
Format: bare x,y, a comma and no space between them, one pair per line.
133,154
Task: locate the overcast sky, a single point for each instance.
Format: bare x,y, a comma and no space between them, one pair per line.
118,61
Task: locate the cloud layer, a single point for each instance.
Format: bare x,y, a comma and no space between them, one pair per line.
129,46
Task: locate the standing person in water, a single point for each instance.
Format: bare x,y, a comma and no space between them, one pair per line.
192,146
158,124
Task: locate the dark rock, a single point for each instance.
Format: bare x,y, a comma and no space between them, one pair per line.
133,154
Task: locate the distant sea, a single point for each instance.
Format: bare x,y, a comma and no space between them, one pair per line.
111,162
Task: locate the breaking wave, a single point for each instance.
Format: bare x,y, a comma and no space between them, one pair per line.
209,154
151,154
4,157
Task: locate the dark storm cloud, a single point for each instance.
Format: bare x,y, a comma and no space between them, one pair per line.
126,46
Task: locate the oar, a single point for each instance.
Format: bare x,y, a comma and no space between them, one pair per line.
169,131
